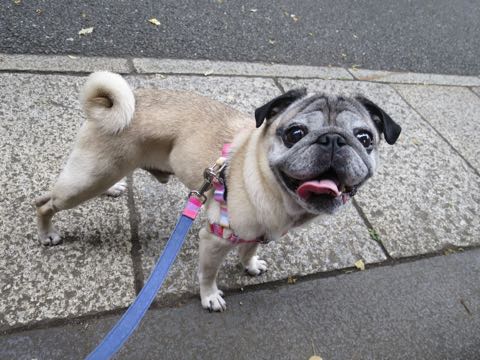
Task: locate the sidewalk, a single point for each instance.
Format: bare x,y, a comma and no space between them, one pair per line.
426,310
424,200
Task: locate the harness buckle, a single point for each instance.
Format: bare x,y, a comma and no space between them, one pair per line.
209,175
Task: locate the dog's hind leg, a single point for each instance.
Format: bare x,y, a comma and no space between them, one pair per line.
85,176
45,211
118,189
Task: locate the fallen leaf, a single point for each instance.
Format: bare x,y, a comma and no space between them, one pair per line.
72,57
315,357
343,55
39,11
294,17
271,41
291,280
355,36
154,21
219,1
17,2
208,72
449,252
355,66
86,31
360,265
84,15
310,33
253,10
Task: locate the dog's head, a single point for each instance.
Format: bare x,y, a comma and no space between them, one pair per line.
323,148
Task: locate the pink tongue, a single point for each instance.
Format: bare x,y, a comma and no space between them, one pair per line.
318,187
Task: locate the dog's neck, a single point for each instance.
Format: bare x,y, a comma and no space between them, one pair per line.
257,206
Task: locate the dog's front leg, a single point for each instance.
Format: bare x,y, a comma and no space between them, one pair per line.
213,250
250,261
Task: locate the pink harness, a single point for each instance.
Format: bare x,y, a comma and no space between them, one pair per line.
218,229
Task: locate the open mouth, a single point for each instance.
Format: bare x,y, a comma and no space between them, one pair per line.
326,185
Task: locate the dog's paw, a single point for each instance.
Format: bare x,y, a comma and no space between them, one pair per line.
255,266
214,301
118,189
50,239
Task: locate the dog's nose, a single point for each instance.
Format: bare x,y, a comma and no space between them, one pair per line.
331,141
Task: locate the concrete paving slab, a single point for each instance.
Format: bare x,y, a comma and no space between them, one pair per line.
327,244
424,197
62,63
427,309
414,78
453,112
332,243
245,94
206,67
92,270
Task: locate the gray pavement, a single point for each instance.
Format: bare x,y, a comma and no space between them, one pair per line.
424,200
431,36
426,309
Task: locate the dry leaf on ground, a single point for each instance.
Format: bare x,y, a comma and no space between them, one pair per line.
360,264
86,31
154,21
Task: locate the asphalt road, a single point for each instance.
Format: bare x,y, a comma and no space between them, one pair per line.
435,36
426,309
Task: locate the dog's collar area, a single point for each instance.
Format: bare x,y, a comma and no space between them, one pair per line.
222,228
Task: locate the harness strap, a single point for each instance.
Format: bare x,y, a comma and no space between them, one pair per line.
218,230
220,196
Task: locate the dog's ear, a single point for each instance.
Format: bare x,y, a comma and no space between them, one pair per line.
277,105
390,129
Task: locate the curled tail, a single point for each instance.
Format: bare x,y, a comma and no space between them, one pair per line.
108,101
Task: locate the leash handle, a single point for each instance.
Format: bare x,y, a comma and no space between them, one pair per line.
130,320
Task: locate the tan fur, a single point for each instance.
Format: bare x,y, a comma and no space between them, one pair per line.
181,133
178,133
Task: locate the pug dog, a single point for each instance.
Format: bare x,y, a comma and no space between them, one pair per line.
303,156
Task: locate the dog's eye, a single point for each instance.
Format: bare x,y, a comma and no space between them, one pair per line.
365,138
293,135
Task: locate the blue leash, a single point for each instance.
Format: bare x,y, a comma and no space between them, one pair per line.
122,330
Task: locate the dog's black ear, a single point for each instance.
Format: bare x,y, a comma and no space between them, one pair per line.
390,129
277,105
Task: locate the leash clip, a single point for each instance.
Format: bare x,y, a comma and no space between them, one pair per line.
209,175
